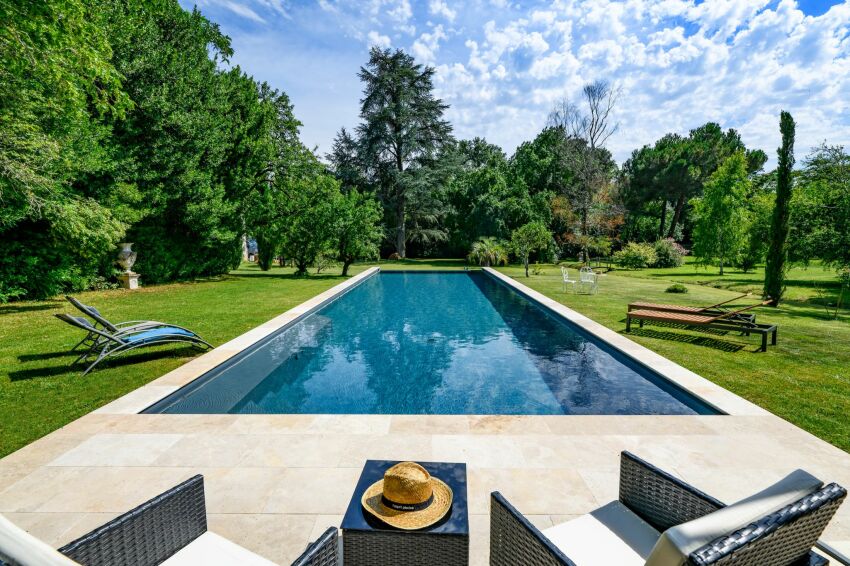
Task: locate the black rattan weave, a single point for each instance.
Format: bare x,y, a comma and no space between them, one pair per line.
781,538
388,548
149,534
658,498
513,540
323,552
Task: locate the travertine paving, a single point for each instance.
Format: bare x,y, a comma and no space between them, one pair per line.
274,482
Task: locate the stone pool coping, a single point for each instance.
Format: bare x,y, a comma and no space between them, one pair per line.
698,386
274,482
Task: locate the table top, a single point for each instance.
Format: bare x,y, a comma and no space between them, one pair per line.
456,521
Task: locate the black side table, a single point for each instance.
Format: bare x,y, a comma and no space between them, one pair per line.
366,541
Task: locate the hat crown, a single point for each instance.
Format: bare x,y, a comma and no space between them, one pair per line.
407,483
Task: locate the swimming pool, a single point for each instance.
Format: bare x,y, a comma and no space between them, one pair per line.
432,343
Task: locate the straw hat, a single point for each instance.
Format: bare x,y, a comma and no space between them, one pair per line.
408,497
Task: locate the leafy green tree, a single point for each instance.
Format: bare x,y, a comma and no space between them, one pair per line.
309,229
402,131
345,162
358,233
528,239
777,255
721,213
760,209
488,251
821,212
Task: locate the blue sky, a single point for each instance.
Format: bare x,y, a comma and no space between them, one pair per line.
502,64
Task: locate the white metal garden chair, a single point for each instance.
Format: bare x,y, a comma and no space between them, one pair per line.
565,275
588,279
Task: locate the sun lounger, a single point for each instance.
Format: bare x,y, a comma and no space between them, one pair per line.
716,309
110,344
101,320
732,320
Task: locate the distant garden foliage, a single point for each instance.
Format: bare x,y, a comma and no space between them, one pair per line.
125,122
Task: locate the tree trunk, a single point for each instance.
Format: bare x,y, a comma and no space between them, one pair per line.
721,266
345,265
525,263
663,218
400,236
677,215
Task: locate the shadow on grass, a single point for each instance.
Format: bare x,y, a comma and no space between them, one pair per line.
703,341
18,308
78,369
290,276
49,355
701,329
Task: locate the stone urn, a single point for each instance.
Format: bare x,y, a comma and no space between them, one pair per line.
126,259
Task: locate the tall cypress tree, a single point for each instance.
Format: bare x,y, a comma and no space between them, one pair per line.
777,255
402,130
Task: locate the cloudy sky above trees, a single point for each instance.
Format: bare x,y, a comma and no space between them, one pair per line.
503,64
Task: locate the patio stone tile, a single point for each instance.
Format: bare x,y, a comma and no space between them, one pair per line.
604,484
108,489
56,529
43,450
350,424
532,491
194,368
317,491
163,424
279,538
208,451
296,451
551,451
239,490
10,473
479,539
88,424
36,489
507,424
323,522
357,449
429,424
138,400
479,451
595,425
118,450
271,424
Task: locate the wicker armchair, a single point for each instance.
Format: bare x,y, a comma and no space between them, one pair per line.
156,530
782,538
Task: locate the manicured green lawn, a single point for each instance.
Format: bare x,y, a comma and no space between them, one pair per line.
806,379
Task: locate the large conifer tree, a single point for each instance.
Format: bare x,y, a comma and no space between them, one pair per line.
402,129
777,255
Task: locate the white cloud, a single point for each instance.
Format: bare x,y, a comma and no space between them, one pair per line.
441,8
426,46
375,38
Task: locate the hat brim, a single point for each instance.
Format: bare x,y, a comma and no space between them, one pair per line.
408,520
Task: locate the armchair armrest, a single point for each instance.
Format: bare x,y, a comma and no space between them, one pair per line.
148,534
323,552
514,540
783,537
659,498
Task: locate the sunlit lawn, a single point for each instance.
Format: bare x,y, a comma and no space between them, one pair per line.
805,379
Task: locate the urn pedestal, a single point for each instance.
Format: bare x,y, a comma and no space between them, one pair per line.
126,258
129,280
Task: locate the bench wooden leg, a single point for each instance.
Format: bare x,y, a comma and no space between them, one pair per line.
764,341
628,323
773,338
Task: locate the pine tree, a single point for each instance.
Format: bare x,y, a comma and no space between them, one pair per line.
777,255
402,129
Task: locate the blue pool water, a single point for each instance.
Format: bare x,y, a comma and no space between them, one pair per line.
432,343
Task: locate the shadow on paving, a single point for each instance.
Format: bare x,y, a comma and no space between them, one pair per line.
130,359
703,341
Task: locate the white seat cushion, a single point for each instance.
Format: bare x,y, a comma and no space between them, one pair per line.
210,549
609,535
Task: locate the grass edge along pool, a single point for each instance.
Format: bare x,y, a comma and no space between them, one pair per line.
426,342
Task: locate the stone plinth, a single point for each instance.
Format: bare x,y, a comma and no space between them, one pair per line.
129,280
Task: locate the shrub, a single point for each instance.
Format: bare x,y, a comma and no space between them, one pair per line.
636,256
676,288
489,251
668,253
